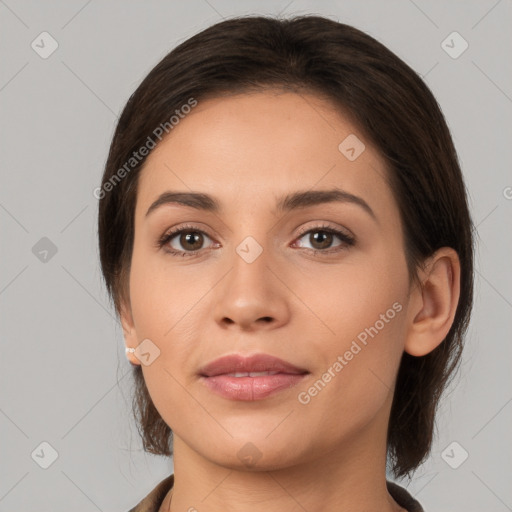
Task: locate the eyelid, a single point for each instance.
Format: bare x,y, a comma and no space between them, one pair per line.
328,227
187,226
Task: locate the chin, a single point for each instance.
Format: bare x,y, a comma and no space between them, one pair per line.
253,453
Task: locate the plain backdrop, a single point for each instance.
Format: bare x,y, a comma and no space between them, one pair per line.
65,385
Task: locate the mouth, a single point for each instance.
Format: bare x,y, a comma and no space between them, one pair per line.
256,377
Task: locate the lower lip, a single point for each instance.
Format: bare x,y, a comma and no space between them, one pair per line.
251,388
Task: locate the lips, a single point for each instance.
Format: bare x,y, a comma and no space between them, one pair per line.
256,377
236,365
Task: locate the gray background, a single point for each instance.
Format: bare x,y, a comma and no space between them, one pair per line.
64,378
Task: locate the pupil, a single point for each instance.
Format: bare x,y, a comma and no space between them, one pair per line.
326,237
189,238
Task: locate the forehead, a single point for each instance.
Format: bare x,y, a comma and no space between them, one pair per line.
262,145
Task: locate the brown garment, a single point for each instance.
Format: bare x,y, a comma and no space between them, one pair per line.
153,501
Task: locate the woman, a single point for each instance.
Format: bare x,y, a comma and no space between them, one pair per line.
285,235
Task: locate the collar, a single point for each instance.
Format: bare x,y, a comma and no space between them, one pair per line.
153,501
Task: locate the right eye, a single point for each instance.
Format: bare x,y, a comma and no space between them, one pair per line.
190,239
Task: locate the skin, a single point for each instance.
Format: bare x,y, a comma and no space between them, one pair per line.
330,453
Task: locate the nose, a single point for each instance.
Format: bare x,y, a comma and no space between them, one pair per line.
252,296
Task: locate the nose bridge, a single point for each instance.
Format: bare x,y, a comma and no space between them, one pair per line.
250,273
252,247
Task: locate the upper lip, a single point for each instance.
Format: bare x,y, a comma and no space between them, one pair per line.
255,363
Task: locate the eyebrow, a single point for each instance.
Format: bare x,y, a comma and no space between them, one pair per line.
293,201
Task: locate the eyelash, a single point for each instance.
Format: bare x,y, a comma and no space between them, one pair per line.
347,240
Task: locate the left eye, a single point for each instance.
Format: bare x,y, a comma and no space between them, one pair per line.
322,239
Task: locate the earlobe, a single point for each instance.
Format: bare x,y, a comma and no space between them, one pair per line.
130,334
434,302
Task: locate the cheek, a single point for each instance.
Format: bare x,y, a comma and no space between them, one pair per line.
361,329
161,303
164,312
161,295
354,378
351,297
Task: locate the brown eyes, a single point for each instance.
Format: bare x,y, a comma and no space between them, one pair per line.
191,240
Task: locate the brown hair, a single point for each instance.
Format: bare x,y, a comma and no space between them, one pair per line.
390,105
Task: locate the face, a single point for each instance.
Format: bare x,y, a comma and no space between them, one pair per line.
319,281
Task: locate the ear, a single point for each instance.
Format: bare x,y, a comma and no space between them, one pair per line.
130,335
433,304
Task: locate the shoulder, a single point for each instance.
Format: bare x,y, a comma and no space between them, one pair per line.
403,498
153,501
